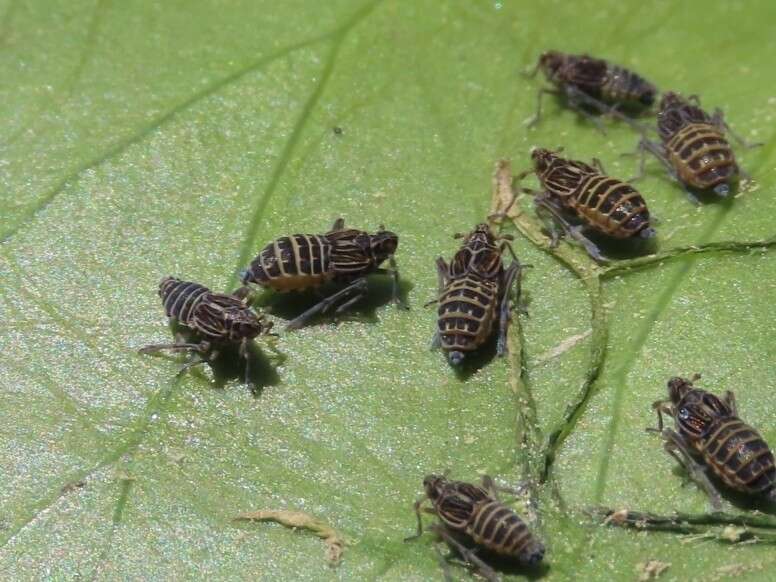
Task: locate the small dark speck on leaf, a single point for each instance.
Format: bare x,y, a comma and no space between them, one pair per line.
70,487
338,130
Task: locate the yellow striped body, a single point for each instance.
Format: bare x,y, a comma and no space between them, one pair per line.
701,156
610,206
471,510
605,204
738,455
497,528
216,317
293,263
467,312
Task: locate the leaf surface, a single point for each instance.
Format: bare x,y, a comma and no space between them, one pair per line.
139,140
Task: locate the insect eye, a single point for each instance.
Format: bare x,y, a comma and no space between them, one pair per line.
684,414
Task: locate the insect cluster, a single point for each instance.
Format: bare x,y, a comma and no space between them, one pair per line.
478,291
208,322
581,198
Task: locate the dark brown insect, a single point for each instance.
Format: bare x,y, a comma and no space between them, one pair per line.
694,147
589,83
476,513
474,292
307,261
211,320
601,203
709,437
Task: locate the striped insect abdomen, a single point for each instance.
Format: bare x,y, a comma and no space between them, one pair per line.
625,86
181,298
739,456
610,206
467,310
496,527
701,156
291,263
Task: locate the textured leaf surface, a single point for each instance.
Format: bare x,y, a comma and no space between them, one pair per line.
139,140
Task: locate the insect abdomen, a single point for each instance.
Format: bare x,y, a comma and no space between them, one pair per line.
740,457
180,298
291,263
625,86
610,206
466,313
701,156
496,527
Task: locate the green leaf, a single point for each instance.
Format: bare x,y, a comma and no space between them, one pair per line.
146,139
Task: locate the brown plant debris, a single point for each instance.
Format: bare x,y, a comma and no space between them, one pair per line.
724,527
335,542
564,346
651,569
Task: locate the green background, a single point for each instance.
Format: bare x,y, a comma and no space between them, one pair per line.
142,139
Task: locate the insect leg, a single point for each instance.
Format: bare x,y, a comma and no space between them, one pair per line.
246,355
192,364
394,273
176,347
592,249
676,446
598,165
443,271
357,288
718,119
509,278
531,73
541,200
466,554
661,406
646,145
349,303
501,214
729,398
507,246
395,289
418,507
656,150
244,293
535,119
575,98
573,231
490,485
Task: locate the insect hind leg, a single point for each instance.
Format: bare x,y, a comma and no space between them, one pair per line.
676,446
489,484
577,99
509,278
534,120
718,119
350,294
174,347
466,554
192,364
573,231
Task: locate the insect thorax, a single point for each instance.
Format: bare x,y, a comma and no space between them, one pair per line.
563,178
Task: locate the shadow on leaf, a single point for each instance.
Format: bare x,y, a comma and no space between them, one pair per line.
290,305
